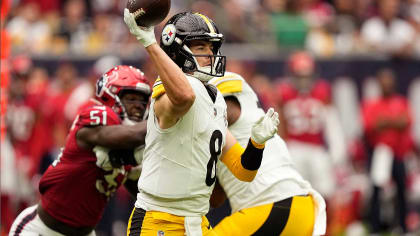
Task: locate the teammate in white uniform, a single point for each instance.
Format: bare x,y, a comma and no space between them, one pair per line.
278,201
187,129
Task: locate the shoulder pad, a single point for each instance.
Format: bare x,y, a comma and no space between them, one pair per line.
228,84
158,88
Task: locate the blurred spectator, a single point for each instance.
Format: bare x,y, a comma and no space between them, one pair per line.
46,6
387,126
206,8
290,26
274,6
413,13
7,177
5,66
388,34
319,16
26,118
73,28
234,22
97,39
345,26
325,28
28,134
59,111
261,30
28,30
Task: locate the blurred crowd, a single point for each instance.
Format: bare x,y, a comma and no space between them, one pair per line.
333,132
360,190
324,27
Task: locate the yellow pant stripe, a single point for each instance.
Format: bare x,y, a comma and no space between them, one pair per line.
129,221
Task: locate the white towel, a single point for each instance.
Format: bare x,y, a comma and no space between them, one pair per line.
320,226
192,226
381,169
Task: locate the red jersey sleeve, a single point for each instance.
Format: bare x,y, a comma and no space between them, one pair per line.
97,115
408,113
322,91
285,92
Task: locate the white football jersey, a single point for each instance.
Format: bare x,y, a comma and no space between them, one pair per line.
179,163
276,178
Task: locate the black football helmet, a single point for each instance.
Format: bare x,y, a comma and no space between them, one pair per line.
185,27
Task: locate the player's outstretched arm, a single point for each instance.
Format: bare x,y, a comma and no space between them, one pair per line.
113,136
244,163
179,95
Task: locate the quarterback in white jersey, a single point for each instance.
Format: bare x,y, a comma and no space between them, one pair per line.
166,170
187,129
278,201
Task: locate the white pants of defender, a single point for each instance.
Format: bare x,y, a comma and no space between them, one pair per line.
315,165
28,223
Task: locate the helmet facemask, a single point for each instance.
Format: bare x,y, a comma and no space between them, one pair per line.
191,65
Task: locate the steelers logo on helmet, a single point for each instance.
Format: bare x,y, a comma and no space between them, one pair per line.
168,34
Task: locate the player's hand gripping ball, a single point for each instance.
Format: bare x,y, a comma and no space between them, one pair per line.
149,12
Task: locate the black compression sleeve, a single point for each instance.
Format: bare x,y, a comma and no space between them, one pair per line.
252,157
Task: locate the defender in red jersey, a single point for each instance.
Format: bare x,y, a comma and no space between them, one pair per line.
310,123
76,187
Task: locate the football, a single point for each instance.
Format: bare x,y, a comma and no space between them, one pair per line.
149,12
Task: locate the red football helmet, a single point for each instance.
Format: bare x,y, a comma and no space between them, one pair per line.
118,79
301,63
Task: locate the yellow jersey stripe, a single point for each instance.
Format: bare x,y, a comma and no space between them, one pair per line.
230,86
211,28
157,82
158,88
216,80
